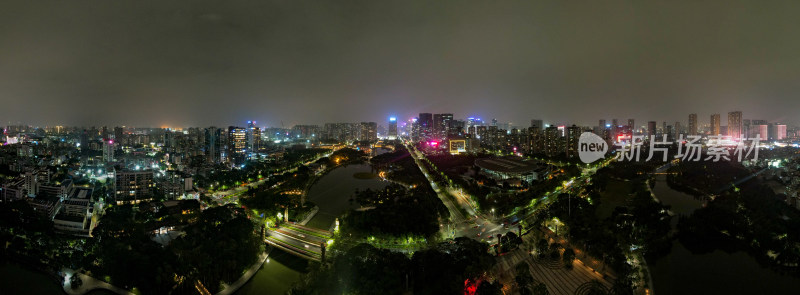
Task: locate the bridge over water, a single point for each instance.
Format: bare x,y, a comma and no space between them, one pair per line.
302,241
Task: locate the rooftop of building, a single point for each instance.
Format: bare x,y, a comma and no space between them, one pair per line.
69,217
509,164
82,193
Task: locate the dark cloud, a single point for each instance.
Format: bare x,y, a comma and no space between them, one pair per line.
152,63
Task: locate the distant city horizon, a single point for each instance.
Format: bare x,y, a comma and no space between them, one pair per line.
702,120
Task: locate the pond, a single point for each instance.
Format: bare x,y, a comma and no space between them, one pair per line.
332,192
718,272
276,276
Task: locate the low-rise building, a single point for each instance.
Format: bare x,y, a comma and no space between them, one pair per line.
510,168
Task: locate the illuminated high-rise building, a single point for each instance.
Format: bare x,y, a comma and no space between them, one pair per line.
715,124
368,132
214,145
441,122
425,122
108,150
237,144
392,128
552,141
414,130
776,131
573,135
133,186
692,124
735,125
253,138
651,128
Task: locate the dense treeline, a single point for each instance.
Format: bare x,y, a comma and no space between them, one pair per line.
697,178
364,269
643,224
222,177
401,165
410,212
753,220
216,248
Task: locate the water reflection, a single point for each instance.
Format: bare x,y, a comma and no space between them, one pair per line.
718,272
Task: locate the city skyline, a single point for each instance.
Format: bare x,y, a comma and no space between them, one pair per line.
200,64
402,147
484,121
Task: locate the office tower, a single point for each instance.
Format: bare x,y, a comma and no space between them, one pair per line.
253,135
213,145
425,125
715,127
651,128
455,128
368,132
692,124
614,128
440,125
415,129
601,124
471,123
392,128
573,134
237,145
631,125
108,150
735,125
678,129
447,122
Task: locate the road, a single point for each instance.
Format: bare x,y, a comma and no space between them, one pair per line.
298,240
479,226
473,225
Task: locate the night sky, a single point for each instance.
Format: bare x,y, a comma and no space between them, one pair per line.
201,63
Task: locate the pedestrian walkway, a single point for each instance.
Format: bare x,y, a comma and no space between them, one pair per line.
89,284
550,271
247,275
